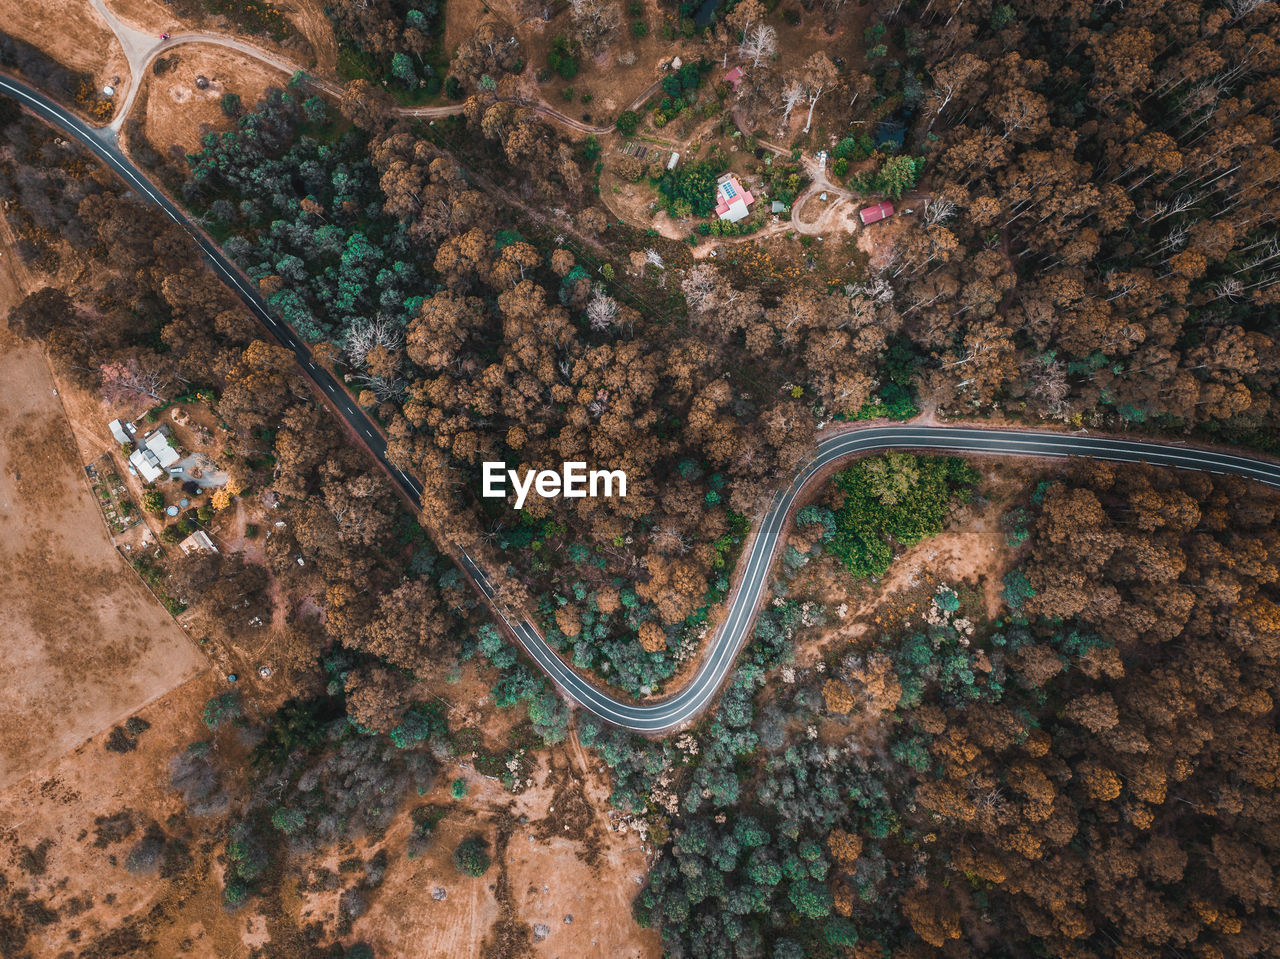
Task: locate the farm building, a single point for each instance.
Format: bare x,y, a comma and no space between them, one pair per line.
197,542
881,211
732,200
153,455
120,432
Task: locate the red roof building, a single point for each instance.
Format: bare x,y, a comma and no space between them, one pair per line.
881,211
734,77
731,199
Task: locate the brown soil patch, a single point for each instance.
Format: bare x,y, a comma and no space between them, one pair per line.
176,112
70,32
314,48
970,556
83,877
555,856
813,208
308,16
84,642
632,202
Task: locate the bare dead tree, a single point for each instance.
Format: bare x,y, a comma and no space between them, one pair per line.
792,94
367,334
699,288
602,310
131,380
760,42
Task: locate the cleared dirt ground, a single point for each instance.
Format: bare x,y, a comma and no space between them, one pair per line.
70,32
970,556
176,112
82,640
83,878
559,859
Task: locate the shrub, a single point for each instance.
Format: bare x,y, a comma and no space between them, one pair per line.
222,709
230,103
459,789
840,167
472,856
288,821
896,499
854,148
639,29
153,501
692,187
563,57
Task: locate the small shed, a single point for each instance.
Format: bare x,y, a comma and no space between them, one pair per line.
881,211
197,542
119,432
675,158
777,206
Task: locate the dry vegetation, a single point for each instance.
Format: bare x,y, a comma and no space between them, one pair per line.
84,642
70,32
176,111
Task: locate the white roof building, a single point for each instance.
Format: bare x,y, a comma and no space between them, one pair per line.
197,542
153,455
119,432
158,443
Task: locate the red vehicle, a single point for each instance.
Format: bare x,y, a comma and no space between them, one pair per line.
881,211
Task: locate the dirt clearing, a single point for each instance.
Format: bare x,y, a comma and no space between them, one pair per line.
561,883
179,106
67,832
71,33
970,556
83,641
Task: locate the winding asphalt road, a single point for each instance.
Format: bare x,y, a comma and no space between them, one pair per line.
723,650
688,703
102,142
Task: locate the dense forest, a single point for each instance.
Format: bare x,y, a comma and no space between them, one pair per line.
1092,773
1101,233
1096,248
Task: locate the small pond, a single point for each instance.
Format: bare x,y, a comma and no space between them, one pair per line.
705,13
